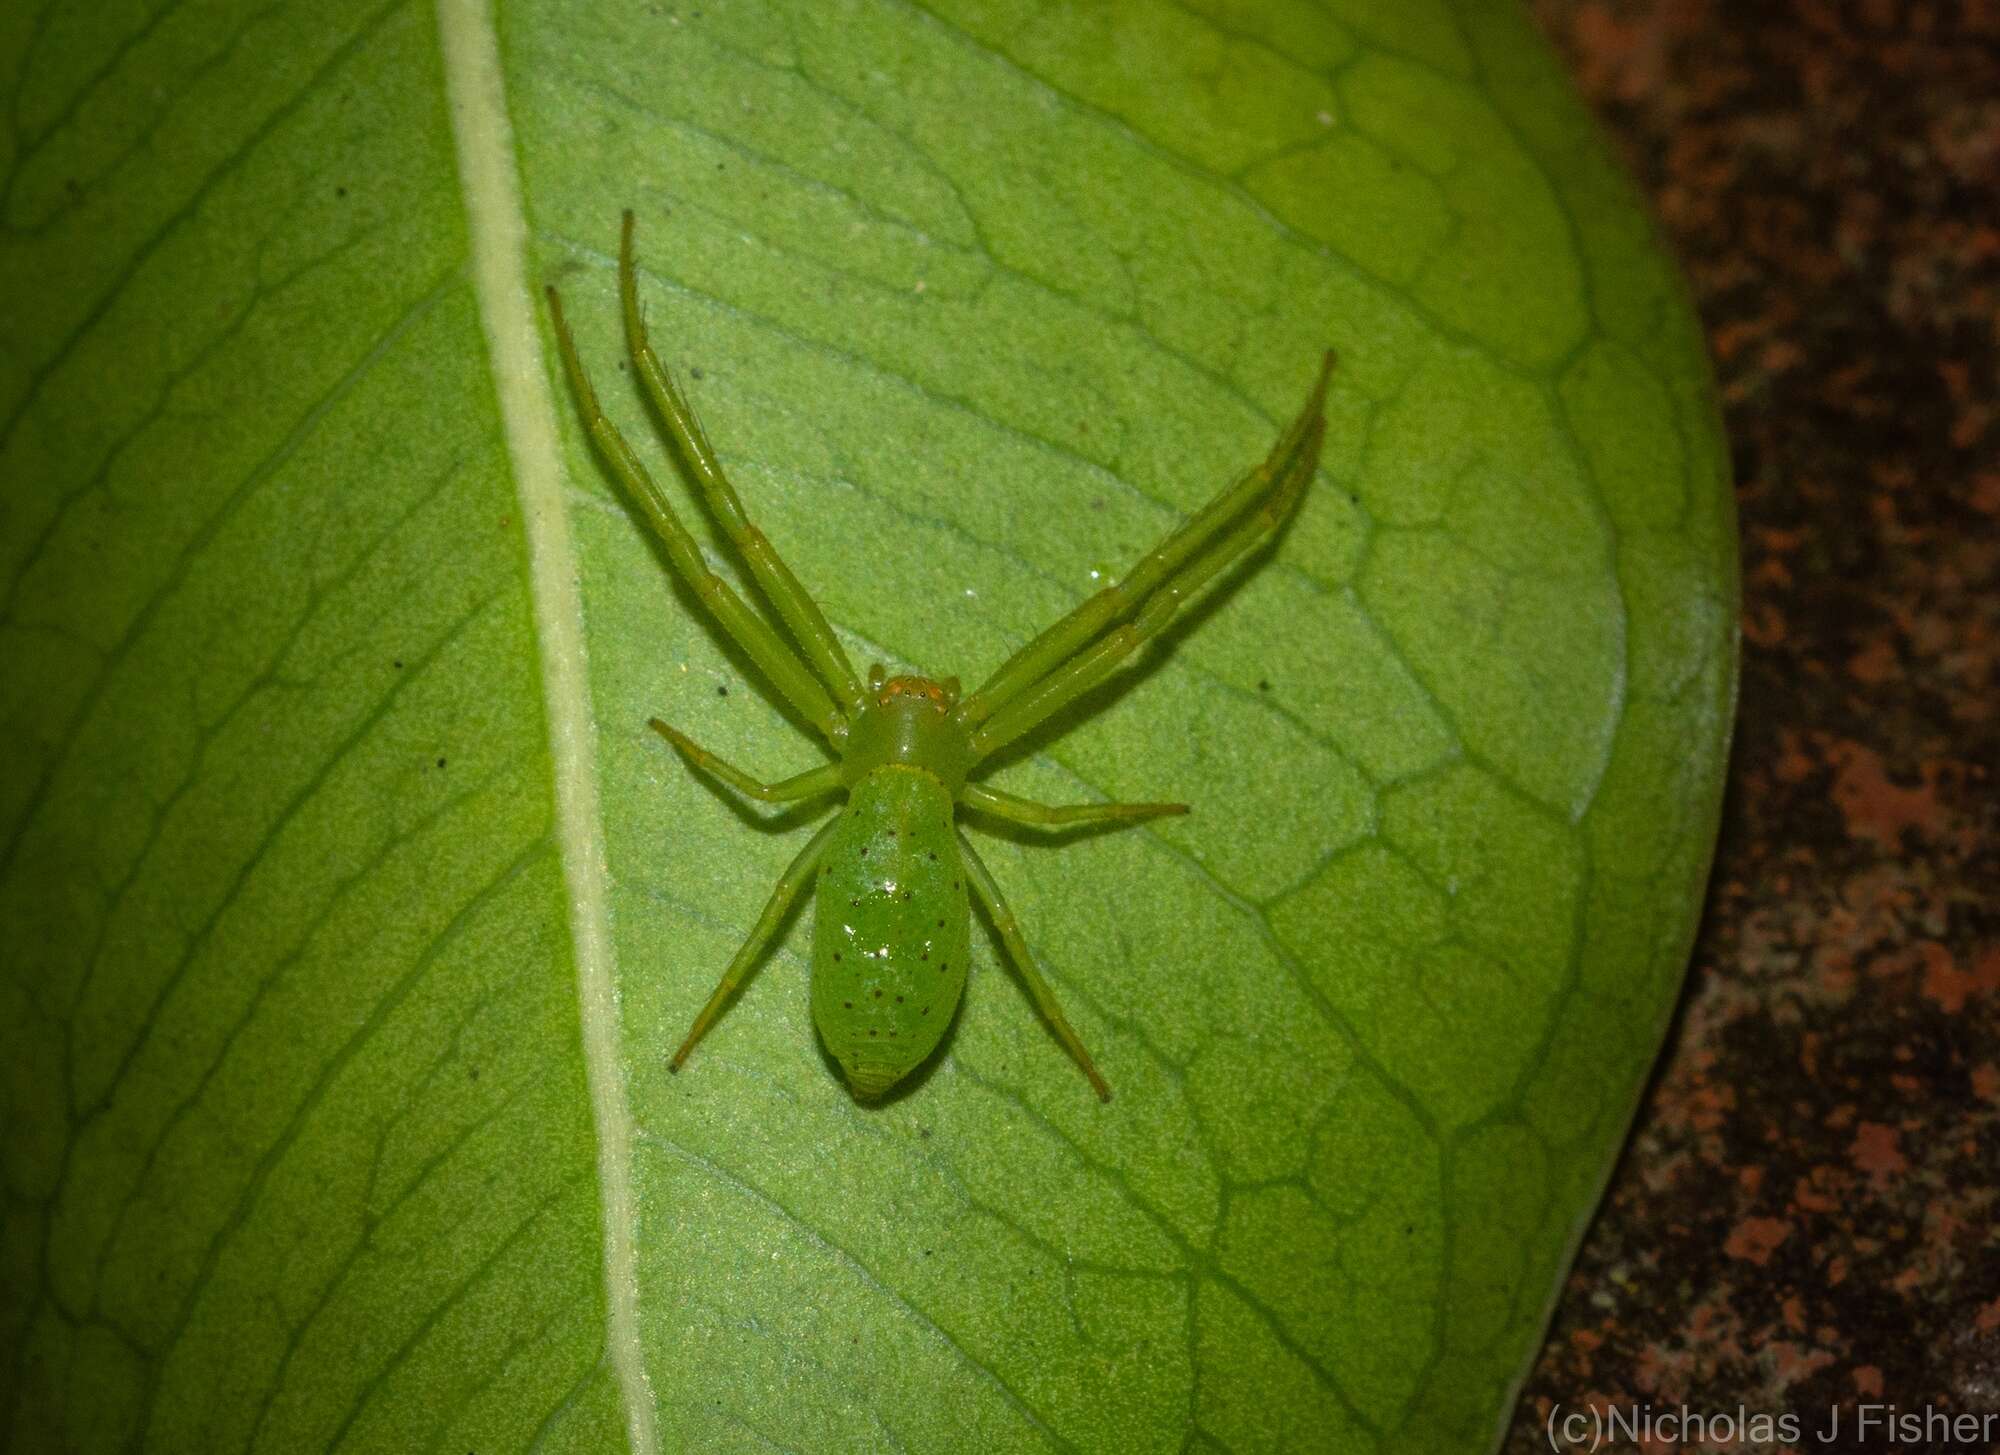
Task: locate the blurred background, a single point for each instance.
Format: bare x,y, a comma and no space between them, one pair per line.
1805,1215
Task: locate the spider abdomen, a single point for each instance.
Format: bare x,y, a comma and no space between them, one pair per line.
890,932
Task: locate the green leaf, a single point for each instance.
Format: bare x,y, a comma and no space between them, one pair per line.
350,911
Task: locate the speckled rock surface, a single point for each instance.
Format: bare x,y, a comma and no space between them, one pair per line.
1805,1216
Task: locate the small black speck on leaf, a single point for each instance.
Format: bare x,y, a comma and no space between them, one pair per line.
696,373
720,690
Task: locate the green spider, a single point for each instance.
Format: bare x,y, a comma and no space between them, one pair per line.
891,925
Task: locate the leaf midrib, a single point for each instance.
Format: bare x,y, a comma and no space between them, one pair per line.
497,232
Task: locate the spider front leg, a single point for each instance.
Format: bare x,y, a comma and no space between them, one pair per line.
1009,930
794,603
763,644
795,878
1048,815
1065,638
809,784
1091,666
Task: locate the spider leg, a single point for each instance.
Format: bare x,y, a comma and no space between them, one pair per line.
756,636
793,602
1048,815
795,878
1038,989
1062,640
1097,662
810,784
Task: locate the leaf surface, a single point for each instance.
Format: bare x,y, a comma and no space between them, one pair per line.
352,912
